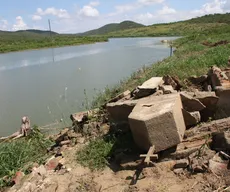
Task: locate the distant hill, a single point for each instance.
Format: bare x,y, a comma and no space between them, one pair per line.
113,27
37,31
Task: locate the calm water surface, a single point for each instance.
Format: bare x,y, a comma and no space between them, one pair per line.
48,84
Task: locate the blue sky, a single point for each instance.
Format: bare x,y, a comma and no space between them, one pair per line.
72,16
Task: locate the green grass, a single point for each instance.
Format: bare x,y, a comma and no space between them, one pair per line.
18,41
21,154
95,155
100,152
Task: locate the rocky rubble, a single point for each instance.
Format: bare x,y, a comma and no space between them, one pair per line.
179,124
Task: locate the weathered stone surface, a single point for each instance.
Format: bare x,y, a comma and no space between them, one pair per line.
209,99
191,118
218,166
120,111
223,105
148,88
221,141
124,96
167,89
79,117
158,121
190,104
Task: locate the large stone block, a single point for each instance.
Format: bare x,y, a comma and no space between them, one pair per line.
119,111
158,120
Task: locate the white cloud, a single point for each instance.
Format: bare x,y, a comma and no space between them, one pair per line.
226,6
3,24
20,24
132,6
89,11
212,7
94,3
36,18
60,13
166,10
149,2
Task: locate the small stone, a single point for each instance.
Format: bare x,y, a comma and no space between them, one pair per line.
18,177
183,163
52,163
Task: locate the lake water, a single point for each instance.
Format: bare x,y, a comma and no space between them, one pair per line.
48,85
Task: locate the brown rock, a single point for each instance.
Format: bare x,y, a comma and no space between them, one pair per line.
198,80
18,177
217,77
52,163
67,142
223,105
158,121
191,118
174,82
190,104
183,163
221,141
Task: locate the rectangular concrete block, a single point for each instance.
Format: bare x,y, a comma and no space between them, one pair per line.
119,111
158,121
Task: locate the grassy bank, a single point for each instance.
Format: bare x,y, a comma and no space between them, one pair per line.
10,42
21,155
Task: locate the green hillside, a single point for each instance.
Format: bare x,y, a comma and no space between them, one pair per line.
113,27
196,25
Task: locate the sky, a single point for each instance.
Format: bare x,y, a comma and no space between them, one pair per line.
73,16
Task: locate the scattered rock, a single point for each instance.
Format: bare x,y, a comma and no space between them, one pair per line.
183,163
223,105
191,118
218,165
158,121
221,141
67,142
178,171
217,77
147,88
52,163
18,177
190,104
198,80
174,82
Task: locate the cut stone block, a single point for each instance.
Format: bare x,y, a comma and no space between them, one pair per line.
158,121
191,104
148,88
119,111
